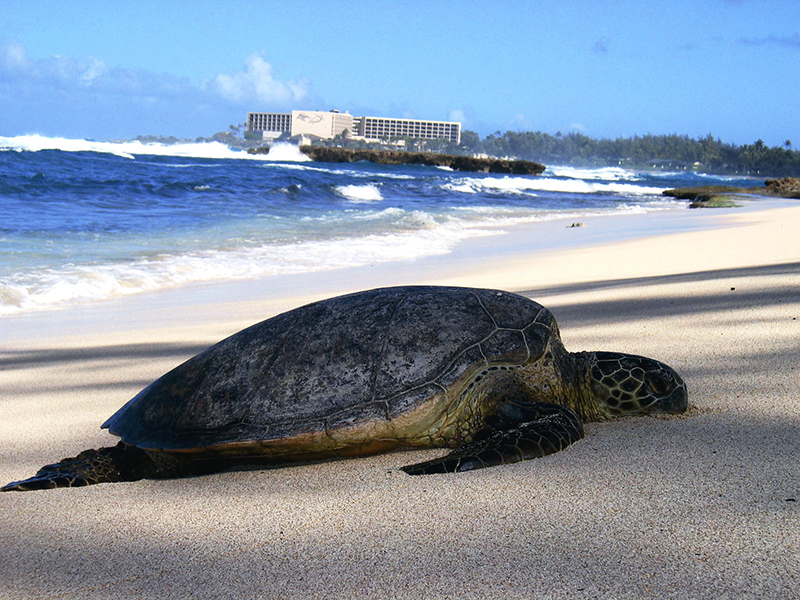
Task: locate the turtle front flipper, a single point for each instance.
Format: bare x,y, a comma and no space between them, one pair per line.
118,463
553,428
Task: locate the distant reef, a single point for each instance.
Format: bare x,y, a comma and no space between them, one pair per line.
394,157
716,196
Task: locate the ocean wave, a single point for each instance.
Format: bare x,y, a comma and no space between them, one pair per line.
521,185
393,213
310,168
132,149
360,193
399,235
116,227
603,173
77,284
285,152
345,172
653,205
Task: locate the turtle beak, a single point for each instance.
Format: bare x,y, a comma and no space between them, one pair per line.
678,400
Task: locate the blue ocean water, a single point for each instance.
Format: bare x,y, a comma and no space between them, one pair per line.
83,220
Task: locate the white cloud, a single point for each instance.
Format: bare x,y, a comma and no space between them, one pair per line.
15,56
256,82
521,122
85,97
95,69
60,70
458,115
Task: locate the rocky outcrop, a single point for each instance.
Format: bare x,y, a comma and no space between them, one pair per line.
395,157
713,196
489,165
788,187
259,150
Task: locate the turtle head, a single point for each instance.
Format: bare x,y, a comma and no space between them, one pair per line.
625,384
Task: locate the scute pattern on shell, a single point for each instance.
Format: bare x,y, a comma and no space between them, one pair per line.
333,363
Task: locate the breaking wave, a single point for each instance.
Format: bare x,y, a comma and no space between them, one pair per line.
74,284
82,227
603,174
521,185
133,148
360,193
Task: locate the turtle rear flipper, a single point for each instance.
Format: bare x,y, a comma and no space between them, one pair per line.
118,463
554,428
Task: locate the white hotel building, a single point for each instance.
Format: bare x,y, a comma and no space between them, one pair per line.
326,125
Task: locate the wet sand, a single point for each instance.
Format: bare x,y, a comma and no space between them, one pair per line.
706,505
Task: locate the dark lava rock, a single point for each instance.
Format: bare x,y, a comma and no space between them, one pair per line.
396,157
788,187
713,196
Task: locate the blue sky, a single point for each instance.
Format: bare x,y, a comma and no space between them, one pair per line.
109,70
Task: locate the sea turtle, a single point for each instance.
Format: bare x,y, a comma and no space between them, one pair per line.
481,371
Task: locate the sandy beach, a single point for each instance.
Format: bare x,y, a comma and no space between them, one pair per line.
705,505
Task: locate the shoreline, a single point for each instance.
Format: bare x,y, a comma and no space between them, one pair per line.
701,505
493,258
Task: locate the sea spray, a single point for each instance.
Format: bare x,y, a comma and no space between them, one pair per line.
360,193
518,185
132,148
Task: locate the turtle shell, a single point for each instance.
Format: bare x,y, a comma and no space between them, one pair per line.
339,362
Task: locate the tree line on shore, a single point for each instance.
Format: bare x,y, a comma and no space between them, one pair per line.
669,152
708,154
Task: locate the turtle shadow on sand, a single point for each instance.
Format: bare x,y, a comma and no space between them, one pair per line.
481,372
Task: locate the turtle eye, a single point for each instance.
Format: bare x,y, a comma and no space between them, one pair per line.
658,385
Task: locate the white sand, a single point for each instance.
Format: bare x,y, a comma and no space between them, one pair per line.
705,506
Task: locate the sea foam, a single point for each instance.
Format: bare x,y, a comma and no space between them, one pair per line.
77,284
546,184
603,173
90,229
130,149
360,193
